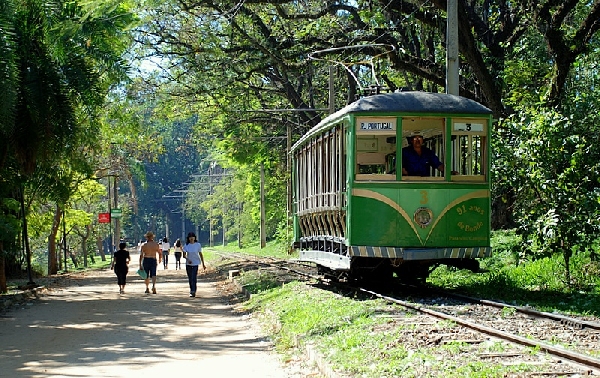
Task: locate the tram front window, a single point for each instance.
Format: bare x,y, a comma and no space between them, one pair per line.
375,155
375,148
469,149
423,148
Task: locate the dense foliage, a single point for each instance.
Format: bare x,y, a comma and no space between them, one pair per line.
59,59
223,88
256,69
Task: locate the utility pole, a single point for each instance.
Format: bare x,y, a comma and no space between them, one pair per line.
183,239
178,198
212,178
64,224
289,181
210,216
452,75
117,235
223,224
110,237
239,224
263,232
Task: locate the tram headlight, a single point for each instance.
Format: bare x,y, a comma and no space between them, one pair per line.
423,216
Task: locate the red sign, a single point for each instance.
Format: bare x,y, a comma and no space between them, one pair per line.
103,217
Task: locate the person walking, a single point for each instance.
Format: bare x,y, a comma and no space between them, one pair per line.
120,264
178,253
193,257
165,252
148,261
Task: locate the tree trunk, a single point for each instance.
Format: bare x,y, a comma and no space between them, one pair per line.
52,262
74,259
567,257
25,236
100,247
84,249
3,285
84,238
502,206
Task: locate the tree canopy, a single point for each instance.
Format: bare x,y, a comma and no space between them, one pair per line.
223,84
59,60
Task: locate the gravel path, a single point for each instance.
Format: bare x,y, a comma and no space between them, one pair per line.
87,329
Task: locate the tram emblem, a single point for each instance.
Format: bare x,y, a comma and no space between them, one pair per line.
423,216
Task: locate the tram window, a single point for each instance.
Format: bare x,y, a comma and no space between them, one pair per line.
375,148
374,155
423,148
469,150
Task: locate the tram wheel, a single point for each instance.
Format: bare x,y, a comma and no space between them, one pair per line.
412,273
380,275
472,265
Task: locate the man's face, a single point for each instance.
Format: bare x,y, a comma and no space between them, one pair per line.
417,141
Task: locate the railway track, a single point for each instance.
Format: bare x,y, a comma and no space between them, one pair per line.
557,335
573,343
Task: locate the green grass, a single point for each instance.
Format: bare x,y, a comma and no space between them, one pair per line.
507,276
540,283
353,337
257,280
272,249
97,264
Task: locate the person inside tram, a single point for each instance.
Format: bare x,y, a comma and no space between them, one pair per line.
417,159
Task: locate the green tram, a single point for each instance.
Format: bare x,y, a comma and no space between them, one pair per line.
362,212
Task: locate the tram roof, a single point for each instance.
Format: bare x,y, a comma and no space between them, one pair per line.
404,102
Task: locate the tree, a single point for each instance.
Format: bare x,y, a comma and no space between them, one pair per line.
230,62
85,204
261,48
555,166
56,74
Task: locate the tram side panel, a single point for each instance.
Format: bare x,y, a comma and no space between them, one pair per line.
395,215
320,198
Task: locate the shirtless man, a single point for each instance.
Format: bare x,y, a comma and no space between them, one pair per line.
148,261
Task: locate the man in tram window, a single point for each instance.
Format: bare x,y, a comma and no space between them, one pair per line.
417,159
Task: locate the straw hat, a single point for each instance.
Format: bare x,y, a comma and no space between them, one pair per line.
415,133
149,235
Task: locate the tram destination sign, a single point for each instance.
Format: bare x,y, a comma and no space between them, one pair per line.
376,123
463,126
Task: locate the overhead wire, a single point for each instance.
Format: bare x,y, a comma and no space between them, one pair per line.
369,62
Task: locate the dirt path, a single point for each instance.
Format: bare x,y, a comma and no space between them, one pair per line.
88,330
